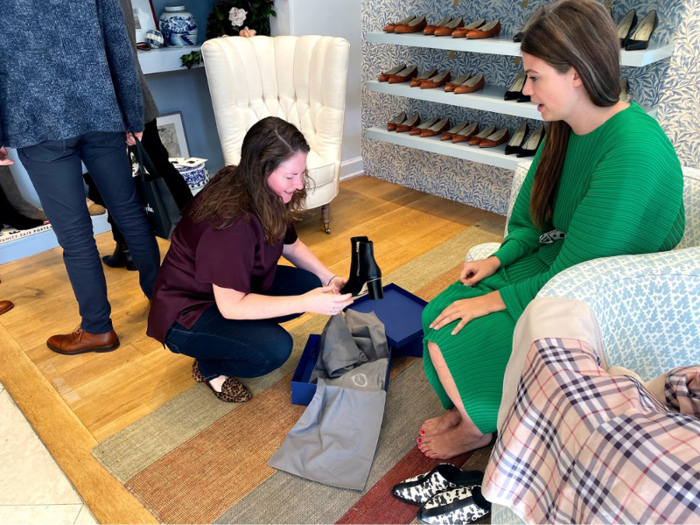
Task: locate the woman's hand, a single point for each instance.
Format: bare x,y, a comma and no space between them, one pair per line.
468,309
475,271
324,301
337,284
4,160
131,137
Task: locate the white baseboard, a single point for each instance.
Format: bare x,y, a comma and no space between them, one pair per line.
351,168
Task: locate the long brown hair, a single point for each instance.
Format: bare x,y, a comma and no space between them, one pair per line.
237,190
579,34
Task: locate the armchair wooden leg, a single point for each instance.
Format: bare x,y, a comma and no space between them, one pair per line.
326,213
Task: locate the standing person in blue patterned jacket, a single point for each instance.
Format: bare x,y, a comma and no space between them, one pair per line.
69,92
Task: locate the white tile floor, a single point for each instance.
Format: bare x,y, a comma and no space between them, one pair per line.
33,488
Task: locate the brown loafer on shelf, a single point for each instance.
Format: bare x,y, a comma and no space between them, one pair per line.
495,139
437,129
473,84
398,119
416,82
389,28
414,26
430,28
386,74
447,29
80,342
476,139
466,134
6,306
408,124
450,86
404,75
489,30
438,80
418,129
447,135
461,32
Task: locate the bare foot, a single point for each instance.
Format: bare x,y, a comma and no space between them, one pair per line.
441,424
457,440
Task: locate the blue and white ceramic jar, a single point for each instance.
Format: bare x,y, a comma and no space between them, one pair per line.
178,27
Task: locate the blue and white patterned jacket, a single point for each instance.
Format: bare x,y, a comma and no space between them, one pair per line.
66,69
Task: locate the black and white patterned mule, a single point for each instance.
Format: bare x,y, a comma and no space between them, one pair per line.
458,506
421,488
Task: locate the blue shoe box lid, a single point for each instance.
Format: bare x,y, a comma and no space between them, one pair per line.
400,311
303,391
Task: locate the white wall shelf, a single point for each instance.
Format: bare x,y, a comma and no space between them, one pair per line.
43,241
164,59
491,156
504,45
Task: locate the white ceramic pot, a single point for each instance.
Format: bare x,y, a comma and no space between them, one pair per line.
178,26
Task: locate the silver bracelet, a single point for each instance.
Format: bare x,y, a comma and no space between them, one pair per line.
331,280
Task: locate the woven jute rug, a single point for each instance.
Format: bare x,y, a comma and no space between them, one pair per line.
198,460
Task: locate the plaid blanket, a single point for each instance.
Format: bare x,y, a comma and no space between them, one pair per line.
581,446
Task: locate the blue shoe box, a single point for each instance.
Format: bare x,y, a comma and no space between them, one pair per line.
400,311
303,391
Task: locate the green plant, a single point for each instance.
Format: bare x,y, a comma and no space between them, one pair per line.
258,13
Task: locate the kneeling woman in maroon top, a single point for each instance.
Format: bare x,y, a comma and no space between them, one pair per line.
220,294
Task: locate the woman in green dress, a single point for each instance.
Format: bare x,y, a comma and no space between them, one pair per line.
606,181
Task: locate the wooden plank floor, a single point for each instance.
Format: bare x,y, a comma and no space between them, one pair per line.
74,402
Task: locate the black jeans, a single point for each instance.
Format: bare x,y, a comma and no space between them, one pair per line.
159,155
55,170
242,348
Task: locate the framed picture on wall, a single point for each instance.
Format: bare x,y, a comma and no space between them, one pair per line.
144,18
172,134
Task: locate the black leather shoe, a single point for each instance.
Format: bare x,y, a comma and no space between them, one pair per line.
515,90
365,274
461,505
418,490
120,258
516,142
624,28
532,144
641,36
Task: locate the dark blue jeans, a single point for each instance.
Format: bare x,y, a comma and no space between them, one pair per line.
55,170
236,348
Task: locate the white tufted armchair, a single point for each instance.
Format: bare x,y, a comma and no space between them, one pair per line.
302,80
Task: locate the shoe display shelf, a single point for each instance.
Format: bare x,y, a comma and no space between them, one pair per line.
25,243
504,45
488,99
165,59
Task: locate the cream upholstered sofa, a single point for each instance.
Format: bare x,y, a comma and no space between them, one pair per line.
647,306
302,80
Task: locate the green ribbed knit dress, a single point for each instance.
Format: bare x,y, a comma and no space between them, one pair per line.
621,192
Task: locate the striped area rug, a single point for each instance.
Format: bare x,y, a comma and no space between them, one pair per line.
198,460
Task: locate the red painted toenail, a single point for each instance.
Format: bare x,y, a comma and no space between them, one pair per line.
422,432
420,440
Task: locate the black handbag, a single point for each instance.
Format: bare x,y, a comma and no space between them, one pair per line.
158,202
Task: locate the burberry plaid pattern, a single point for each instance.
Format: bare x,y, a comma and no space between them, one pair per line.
582,446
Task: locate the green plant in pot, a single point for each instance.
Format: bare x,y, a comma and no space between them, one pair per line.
233,18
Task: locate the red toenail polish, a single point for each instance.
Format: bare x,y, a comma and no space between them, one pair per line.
422,432
420,440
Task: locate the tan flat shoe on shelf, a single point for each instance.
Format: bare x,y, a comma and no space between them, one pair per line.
437,129
450,86
405,75
473,84
465,134
447,29
476,139
389,28
398,119
447,135
438,80
414,26
416,82
430,28
417,129
489,30
408,124
495,139
386,74
461,32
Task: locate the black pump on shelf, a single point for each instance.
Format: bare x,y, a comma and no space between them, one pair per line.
365,274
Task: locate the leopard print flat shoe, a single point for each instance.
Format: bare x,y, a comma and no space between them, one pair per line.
418,490
458,506
196,374
232,391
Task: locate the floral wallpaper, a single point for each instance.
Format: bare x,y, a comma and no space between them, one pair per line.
672,84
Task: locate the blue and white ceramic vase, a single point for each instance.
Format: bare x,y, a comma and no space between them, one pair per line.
178,27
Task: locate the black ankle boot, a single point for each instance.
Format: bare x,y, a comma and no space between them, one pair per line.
364,271
120,258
